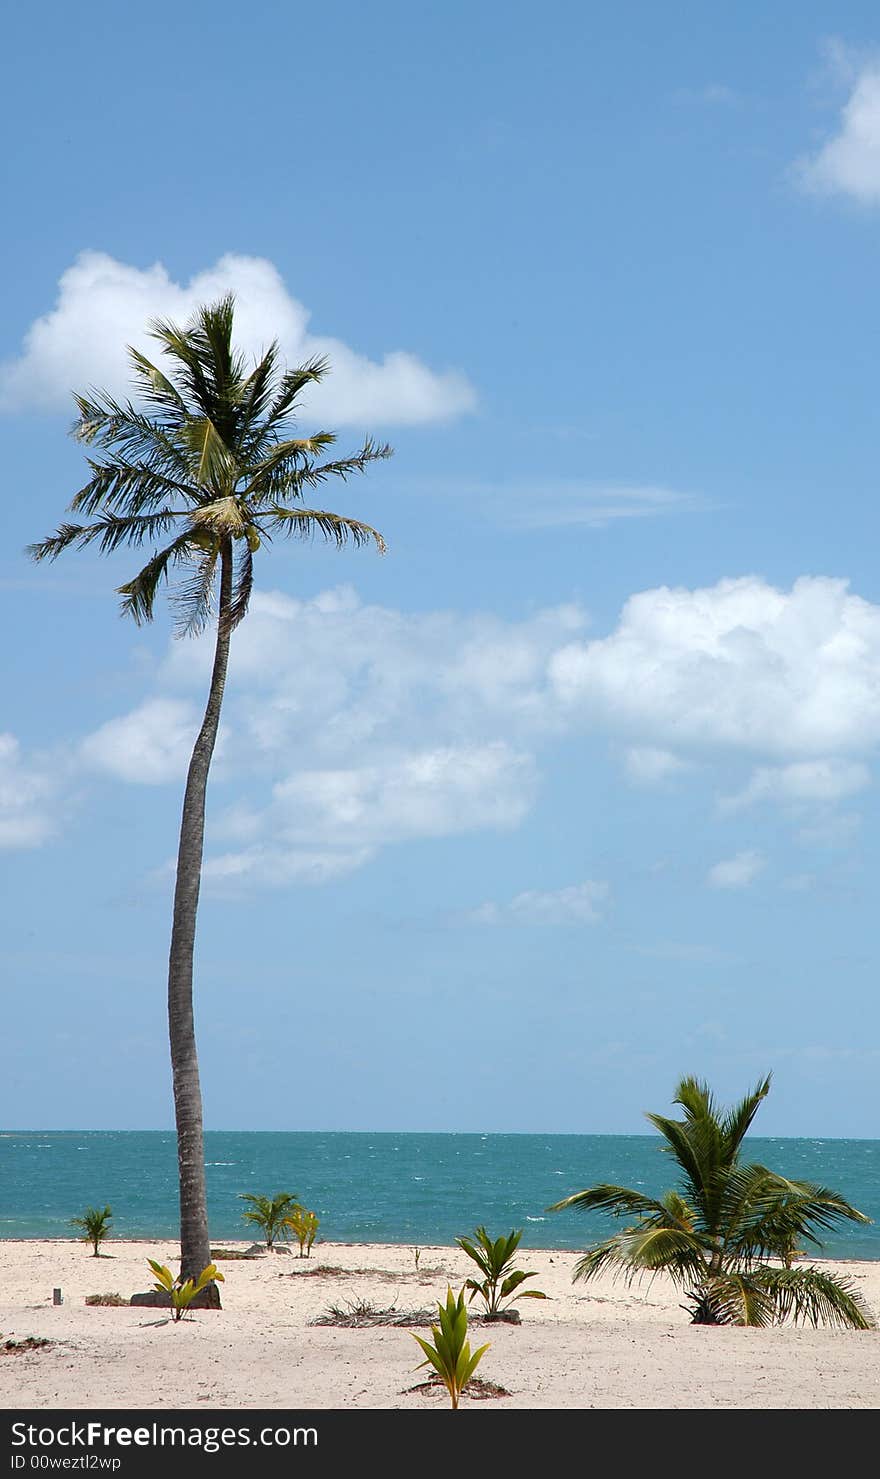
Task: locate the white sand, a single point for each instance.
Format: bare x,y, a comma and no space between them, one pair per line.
600,1345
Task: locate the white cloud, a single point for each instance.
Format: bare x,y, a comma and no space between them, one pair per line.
581,903
322,823
737,872
329,676
279,866
149,746
811,781
849,162
646,766
737,665
349,727
104,305
28,814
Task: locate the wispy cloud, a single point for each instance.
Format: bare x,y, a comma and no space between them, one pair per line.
581,903
709,94
819,782
737,872
29,796
552,503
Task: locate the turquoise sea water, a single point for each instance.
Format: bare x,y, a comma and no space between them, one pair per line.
393,1188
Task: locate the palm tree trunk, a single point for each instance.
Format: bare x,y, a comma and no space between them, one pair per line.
195,1246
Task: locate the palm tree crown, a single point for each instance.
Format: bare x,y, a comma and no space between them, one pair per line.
210,460
714,1233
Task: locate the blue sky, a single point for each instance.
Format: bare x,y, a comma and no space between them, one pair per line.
573,792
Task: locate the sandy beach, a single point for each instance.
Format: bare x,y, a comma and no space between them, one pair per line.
602,1345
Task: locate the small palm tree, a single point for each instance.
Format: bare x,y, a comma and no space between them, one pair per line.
450,1351
500,1284
95,1226
304,1226
207,462
714,1234
272,1215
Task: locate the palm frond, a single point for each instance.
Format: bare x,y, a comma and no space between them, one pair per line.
736,1297
301,523
134,485
189,369
139,594
735,1124
107,422
646,1250
290,388
212,464
813,1297
192,600
680,1145
110,532
257,391
243,582
608,1198
287,470
154,387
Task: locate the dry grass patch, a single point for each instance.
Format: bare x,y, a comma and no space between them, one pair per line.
362,1314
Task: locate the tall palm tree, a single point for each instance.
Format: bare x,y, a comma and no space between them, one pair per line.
207,460
714,1234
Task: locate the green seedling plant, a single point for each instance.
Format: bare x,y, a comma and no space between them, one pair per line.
304,1226
95,1225
450,1352
500,1284
183,1291
271,1214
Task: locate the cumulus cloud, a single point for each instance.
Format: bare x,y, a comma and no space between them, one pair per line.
849,162
740,665
807,781
737,872
104,305
581,903
28,814
349,726
326,677
323,823
149,746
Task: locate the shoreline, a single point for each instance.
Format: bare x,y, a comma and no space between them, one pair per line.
604,1345
526,1250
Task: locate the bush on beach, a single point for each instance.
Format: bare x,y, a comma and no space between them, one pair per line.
95,1226
714,1234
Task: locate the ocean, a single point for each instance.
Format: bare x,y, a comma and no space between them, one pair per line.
419,1190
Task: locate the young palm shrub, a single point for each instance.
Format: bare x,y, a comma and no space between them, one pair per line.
95,1226
714,1234
304,1226
271,1214
450,1352
500,1284
183,1291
